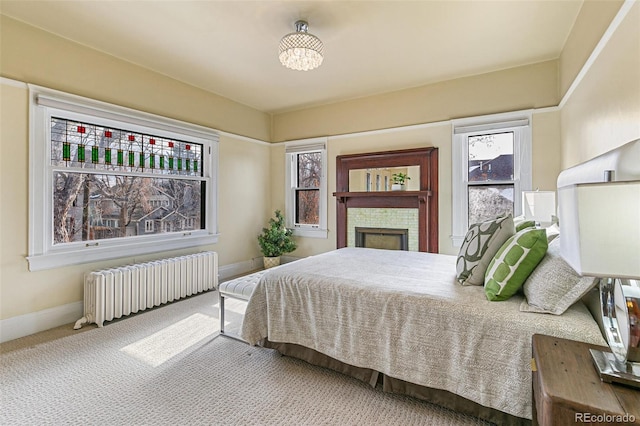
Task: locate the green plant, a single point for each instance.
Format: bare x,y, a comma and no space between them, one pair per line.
276,239
399,178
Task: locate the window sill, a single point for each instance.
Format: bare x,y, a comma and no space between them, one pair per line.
310,233
82,255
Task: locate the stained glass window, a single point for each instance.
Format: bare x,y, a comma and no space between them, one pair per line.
112,183
109,182
89,146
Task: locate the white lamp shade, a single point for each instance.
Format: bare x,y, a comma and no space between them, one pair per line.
539,206
600,225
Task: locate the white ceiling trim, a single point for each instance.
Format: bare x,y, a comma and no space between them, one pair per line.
622,13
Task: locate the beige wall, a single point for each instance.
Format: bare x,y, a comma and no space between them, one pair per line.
546,166
243,197
37,57
532,86
545,136
590,25
604,110
33,56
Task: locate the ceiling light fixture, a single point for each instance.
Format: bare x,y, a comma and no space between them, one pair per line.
300,50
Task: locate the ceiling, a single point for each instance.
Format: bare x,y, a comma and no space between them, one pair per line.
230,48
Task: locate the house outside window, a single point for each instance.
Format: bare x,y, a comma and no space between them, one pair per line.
306,187
491,167
101,175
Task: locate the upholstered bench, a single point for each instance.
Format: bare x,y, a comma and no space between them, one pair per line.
238,288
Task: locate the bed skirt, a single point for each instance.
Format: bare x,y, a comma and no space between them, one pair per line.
389,384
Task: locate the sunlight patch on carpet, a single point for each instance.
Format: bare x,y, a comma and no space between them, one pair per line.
163,345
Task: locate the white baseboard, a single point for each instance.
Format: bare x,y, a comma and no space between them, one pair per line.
240,268
24,325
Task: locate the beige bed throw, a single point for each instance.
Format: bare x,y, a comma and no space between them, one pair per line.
403,314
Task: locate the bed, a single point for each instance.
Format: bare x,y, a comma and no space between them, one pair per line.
402,314
403,320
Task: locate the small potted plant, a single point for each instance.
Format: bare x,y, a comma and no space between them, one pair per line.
398,180
275,240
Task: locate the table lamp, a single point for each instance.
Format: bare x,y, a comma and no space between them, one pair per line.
601,238
539,206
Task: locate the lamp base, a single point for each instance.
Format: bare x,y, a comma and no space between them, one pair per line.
613,371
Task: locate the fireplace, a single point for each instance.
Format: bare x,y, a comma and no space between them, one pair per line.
382,238
423,201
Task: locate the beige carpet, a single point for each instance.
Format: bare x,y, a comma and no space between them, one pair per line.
168,366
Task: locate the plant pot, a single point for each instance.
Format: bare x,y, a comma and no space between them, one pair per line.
270,262
397,187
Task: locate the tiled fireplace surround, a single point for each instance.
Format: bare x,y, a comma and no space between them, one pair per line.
397,218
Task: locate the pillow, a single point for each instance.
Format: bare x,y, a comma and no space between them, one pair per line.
480,244
553,232
514,262
521,223
554,285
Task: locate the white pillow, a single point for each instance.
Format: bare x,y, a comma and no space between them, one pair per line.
553,232
554,286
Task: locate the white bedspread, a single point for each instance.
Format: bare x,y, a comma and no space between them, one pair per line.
403,314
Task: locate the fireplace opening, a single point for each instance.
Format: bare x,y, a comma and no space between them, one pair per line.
382,238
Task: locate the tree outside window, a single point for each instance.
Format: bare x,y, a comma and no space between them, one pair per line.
490,176
307,191
89,199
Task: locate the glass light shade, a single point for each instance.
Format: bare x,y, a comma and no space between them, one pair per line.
300,50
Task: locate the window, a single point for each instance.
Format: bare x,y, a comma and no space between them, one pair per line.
306,201
101,176
491,168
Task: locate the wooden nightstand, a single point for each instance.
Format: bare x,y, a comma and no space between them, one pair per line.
567,389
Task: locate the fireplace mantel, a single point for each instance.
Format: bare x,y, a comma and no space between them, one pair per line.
425,199
397,199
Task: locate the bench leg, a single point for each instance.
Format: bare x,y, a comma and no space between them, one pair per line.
221,313
222,332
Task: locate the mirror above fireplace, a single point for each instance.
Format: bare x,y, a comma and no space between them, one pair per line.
381,178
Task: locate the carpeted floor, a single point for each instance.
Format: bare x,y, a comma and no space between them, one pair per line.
168,366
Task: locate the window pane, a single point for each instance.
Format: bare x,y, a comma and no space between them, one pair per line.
309,169
88,146
489,201
491,157
98,206
308,206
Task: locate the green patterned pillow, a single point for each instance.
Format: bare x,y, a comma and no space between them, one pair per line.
514,262
480,244
521,223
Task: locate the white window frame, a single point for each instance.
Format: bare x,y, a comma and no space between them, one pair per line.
43,254
517,122
299,147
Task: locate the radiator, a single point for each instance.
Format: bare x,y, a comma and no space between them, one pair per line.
117,292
